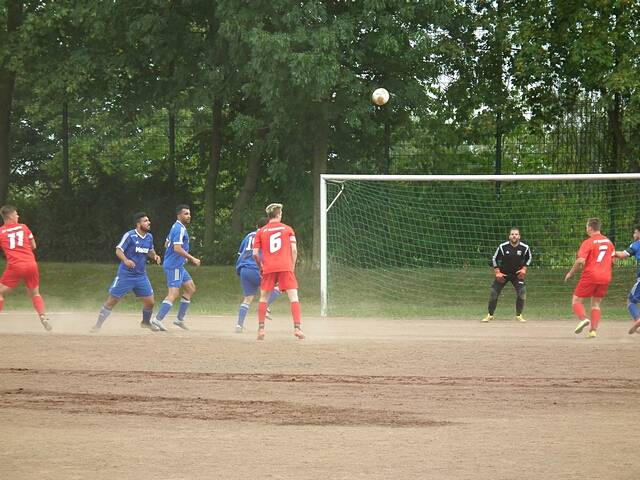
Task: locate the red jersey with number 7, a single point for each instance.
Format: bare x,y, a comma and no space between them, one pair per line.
274,241
598,252
15,240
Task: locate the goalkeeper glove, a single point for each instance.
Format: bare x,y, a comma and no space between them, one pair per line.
500,277
521,273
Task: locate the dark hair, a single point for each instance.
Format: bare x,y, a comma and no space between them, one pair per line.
181,207
514,228
637,227
138,216
595,224
7,210
262,221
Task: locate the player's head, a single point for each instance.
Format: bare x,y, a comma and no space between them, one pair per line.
262,221
183,213
594,225
514,235
274,210
141,222
9,213
636,232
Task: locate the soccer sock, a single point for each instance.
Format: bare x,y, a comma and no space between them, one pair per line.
165,306
519,306
102,316
242,313
1,304
595,318
182,310
262,312
274,294
492,306
295,313
632,307
146,315
578,309
38,304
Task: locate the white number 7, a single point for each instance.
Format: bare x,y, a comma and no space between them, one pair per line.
603,252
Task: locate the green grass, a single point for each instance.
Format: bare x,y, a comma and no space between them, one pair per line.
422,293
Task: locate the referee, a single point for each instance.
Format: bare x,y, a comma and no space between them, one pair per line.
510,264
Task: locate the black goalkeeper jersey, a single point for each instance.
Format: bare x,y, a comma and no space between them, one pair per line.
510,259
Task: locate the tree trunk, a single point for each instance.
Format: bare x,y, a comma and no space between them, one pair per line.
171,170
65,147
7,87
320,147
618,142
212,173
250,183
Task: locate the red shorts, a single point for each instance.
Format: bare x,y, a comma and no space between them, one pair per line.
285,281
15,273
586,289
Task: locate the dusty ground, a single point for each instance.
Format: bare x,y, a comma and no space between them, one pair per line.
359,399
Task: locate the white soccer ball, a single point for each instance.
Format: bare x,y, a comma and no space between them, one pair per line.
380,96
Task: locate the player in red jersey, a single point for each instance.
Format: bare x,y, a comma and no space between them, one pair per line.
275,251
18,244
596,256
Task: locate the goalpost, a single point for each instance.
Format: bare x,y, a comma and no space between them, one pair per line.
415,244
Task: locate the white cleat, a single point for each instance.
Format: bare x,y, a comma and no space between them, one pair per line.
181,324
582,325
158,324
239,329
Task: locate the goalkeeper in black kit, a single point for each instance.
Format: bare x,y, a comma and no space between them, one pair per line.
510,263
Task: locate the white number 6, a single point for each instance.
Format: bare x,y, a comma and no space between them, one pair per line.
275,242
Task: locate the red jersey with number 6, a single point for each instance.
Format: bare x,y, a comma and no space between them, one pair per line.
274,241
598,252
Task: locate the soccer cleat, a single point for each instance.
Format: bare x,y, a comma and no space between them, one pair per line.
298,333
148,326
487,318
181,324
581,326
635,327
592,334
239,328
158,324
268,314
45,323
261,334
520,318
95,329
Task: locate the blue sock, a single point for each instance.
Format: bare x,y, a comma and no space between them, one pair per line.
633,310
165,306
182,310
272,298
242,313
146,315
102,316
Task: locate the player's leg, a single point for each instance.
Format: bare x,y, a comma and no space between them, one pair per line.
267,284
289,283
9,280
144,291
521,297
31,277
174,281
577,305
272,298
595,314
106,310
188,290
4,289
632,306
250,283
496,288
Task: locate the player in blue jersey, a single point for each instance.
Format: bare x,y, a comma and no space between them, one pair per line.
175,256
249,273
633,250
135,247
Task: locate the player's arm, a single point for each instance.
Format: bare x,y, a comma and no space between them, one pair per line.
527,261
183,253
256,257
32,241
495,262
622,254
154,256
123,258
579,263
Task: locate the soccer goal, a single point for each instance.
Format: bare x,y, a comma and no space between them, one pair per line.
421,245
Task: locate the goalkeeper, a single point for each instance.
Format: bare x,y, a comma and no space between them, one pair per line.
510,264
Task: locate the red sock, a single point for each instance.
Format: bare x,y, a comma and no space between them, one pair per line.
262,312
578,309
1,304
38,304
296,313
595,318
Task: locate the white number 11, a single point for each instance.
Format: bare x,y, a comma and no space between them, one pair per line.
12,239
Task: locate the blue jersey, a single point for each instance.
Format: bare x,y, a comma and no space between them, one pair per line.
245,254
634,251
177,236
136,248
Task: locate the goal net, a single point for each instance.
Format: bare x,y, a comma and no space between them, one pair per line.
422,245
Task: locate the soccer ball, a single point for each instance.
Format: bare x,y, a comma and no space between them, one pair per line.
380,96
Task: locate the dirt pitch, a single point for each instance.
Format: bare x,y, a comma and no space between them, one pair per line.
358,399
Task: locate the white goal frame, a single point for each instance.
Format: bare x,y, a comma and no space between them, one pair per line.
324,208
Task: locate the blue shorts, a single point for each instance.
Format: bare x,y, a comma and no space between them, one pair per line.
634,294
250,281
122,285
176,277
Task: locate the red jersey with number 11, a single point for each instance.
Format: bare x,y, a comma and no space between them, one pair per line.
598,251
15,240
274,241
